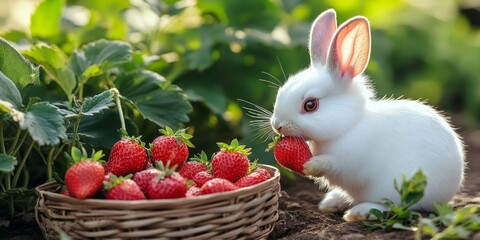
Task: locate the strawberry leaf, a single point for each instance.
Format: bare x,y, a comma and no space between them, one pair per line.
45,20
15,67
158,101
7,163
9,92
97,103
44,123
55,63
97,57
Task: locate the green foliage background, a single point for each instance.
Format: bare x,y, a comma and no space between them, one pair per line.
215,52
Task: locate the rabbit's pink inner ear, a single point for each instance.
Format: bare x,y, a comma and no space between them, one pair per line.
351,47
321,35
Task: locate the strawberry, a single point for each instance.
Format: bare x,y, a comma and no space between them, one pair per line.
231,161
250,180
193,191
266,175
217,185
85,177
148,165
144,177
121,188
128,156
198,164
201,178
291,152
172,146
167,184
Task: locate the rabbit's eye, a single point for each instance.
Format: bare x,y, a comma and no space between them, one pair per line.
310,105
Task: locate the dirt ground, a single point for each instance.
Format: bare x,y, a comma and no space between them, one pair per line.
300,218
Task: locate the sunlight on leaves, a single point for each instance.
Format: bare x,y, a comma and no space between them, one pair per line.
14,65
45,21
55,63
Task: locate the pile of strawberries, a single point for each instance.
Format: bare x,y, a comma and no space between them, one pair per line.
134,172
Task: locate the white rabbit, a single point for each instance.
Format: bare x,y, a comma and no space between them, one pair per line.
361,144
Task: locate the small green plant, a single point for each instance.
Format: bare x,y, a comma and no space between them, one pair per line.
445,223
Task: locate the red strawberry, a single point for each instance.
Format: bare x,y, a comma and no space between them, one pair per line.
127,156
264,172
217,185
201,178
168,184
198,164
144,177
123,189
231,161
65,192
291,152
85,178
250,180
172,146
194,191
148,165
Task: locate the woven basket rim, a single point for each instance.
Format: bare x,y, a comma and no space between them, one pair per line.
164,203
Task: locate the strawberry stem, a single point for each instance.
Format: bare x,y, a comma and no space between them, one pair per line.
119,107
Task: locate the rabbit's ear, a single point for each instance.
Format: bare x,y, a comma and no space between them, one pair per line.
321,35
350,49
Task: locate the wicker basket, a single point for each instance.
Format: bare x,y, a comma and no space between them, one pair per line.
247,213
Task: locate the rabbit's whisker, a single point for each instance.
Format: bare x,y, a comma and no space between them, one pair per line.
261,120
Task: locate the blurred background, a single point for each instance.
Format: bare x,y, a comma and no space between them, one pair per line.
218,50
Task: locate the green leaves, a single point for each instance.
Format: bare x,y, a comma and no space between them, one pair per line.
411,191
45,21
55,63
94,58
9,92
7,163
399,216
154,97
97,103
44,123
180,135
234,146
460,223
14,65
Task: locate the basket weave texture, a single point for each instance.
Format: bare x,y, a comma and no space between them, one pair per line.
246,213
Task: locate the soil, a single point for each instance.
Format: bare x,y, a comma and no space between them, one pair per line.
300,218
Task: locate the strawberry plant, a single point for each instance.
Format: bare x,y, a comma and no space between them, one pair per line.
55,98
444,223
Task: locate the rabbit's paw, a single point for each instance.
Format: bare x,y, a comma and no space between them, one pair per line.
317,166
360,212
334,201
